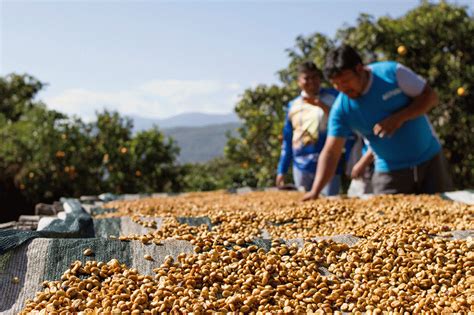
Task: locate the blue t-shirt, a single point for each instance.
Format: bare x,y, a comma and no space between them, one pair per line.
304,133
413,143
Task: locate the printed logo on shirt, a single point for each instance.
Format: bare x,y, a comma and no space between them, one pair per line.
391,94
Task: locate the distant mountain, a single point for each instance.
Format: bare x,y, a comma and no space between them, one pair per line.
201,144
184,120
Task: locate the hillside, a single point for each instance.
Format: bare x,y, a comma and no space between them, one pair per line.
194,119
201,144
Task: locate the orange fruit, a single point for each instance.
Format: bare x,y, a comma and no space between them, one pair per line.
461,91
402,50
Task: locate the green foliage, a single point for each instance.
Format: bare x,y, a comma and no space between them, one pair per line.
47,155
17,94
437,40
313,47
257,148
153,160
219,173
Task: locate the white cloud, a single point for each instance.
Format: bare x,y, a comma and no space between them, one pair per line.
234,86
153,99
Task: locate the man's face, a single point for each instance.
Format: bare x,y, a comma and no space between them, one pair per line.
349,82
309,82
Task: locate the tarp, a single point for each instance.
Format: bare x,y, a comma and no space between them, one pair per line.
78,223
36,256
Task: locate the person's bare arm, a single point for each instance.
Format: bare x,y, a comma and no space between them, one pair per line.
359,168
327,165
420,105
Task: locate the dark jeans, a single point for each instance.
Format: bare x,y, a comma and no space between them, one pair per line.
429,177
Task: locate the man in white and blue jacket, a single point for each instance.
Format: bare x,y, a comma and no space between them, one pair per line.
304,132
386,103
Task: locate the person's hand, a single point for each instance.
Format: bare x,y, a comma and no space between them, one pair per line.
280,180
310,196
358,170
388,126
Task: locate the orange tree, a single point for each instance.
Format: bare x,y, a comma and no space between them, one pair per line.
218,173
256,149
46,155
432,39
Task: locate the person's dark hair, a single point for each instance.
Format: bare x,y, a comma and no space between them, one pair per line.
341,58
308,67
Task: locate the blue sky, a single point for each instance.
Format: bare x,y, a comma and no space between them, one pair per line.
158,59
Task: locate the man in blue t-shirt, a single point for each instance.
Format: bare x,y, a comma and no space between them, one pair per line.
304,131
386,103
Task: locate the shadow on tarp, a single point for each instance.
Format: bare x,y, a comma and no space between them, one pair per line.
195,221
78,224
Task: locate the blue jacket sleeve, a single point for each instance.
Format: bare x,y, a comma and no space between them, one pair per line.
286,154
